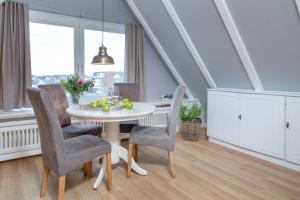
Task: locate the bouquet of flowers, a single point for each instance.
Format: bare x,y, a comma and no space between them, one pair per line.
76,87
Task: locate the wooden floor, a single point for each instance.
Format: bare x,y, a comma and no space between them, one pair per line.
204,171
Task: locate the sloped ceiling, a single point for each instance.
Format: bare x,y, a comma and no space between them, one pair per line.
157,18
271,32
206,28
268,29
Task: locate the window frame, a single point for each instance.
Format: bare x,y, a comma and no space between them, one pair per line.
78,25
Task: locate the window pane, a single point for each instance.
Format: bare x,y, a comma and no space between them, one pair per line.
52,53
104,75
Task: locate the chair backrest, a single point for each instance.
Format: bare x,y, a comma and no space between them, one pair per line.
174,110
52,142
60,102
130,91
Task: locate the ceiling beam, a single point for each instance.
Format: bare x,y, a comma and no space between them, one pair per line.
157,45
298,5
239,43
188,42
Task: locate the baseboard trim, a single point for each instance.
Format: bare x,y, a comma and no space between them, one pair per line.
271,159
20,154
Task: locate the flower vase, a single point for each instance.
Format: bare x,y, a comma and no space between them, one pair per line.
75,98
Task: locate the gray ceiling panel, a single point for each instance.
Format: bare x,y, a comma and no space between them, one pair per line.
209,35
271,32
157,18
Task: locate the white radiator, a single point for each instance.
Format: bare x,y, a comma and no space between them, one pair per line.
21,138
158,119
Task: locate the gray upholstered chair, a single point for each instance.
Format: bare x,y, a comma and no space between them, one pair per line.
60,103
163,138
129,91
59,155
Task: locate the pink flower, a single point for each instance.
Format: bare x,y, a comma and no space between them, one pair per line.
80,82
92,85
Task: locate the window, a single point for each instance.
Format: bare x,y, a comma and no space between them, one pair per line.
52,53
62,45
106,75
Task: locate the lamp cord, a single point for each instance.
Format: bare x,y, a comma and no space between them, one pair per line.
102,20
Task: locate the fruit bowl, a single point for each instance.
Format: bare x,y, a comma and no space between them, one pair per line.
107,104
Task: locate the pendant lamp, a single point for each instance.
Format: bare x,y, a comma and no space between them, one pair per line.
103,58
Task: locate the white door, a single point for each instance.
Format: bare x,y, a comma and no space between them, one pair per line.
262,123
222,116
293,129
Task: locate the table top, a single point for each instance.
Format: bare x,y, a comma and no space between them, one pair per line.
140,110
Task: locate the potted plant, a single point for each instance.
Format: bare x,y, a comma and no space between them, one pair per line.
76,87
191,128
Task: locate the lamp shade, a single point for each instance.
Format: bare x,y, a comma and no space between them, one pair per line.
103,58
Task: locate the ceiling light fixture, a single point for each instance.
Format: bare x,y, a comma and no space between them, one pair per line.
103,58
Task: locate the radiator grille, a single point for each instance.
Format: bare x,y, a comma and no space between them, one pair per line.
19,138
157,119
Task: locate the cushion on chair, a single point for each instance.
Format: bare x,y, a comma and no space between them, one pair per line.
74,130
126,126
153,136
82,149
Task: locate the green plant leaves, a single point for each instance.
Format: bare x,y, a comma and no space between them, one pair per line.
190,114
75,85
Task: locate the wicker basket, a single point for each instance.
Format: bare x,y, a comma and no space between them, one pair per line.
192,131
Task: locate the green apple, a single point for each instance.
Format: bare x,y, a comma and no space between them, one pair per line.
99,104
125,104
129,105
106,107
93,104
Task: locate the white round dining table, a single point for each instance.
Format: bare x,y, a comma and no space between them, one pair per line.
111,122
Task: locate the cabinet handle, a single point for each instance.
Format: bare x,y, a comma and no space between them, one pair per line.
240,117
287,125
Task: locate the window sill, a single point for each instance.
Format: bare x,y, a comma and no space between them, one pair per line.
16,113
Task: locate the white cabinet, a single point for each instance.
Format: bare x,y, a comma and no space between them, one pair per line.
222,116
261,125
293,129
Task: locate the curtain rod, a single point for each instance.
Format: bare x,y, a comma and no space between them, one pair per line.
60,12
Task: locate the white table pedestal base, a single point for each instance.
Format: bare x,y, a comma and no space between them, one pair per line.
112,133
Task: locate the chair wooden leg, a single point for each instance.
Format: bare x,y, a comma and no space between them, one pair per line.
172,163
44,181
135,152
61,187
108,171
130,149
88,169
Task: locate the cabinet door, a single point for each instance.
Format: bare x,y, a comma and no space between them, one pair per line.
293,129
222,116
262,123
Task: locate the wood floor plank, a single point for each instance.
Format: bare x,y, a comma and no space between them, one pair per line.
203,171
